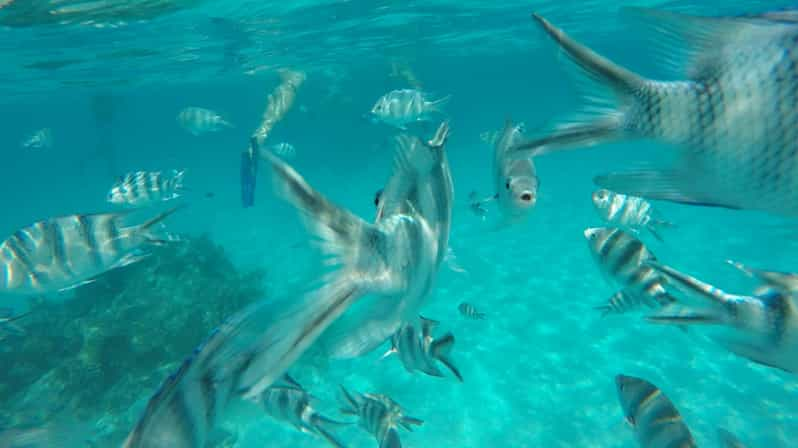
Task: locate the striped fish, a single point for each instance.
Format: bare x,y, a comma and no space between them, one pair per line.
728,440
290,403
64,252
656,421
380,416
629,212
420,351
279,103
621,258
762,327
146,187
470,311
197,120
401,107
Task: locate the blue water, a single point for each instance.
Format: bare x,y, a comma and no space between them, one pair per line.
539,369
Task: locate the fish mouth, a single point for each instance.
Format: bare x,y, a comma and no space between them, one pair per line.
589,232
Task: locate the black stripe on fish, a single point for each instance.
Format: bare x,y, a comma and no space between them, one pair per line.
113,235
626,253
19,252
608,246
87,230
56,237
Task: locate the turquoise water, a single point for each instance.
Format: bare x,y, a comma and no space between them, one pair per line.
538,370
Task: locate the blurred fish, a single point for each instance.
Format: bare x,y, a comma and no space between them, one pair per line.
41,139
380,416
489,137
475,204
284,150
279,103
470,311
146,187
197,120
621,258
515,180
7,322
728,440
762,327
656,421
420,351
292,404
400,107
451,262
731,119
65,252
249,173
629,212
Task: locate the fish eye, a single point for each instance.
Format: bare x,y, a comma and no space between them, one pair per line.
507,185
526,197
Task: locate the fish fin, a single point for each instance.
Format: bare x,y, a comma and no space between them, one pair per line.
350,401
441,348
757,353
684,315
391,439
291,382
406,421
570,136
427,326
691,285
413,160
782,280
389,352
659,185
655,233
329,437
91,280
728,440
146,229
439,104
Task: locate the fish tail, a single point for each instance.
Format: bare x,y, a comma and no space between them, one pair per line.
391,439
351,403
408,422
177,180
320,425
439,104
440,350
146,229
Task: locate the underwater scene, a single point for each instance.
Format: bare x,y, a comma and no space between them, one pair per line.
393,224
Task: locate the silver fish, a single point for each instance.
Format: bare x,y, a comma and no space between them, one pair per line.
515,180
400,107
146,187
197,120
731,118
656,421
419,351
64,252
629,212
470,311
41,139
8,322
621,258
292,404
762,327
380,416
284,150
728,440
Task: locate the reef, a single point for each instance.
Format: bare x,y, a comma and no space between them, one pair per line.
97,354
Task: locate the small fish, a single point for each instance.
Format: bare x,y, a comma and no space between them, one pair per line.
762,327
451,262
380,416
728,440
656,421
8,322
725,115
284,150
41,139
400,107
197,120
629,212
470,311
292,404
420,351
475,204
621,258
65,252
146,187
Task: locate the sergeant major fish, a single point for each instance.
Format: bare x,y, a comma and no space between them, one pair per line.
630,212
420,351
401,107
470,311
64,252
762,327
656,421
197,120
145,187
380,416
515,180
732,118
621,258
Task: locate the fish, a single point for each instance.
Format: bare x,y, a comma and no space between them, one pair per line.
65,252
284,150
41,139
249,173
761,327
629,212
279,102
8,322
380,416
146,188
401,107
198,120
470,311
728,440
292,404
475,204
515,180
419,351
621,258
729,116
656,421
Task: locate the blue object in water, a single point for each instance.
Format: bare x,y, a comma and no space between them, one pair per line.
249,173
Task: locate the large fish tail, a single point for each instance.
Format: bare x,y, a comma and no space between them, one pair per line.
623,83
441,348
